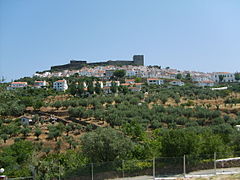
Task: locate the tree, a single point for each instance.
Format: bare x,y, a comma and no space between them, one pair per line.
4,137
37,133
164,98
113,87
70,140
179,76
97,88
221,77
188,76
57,104
72,89
90,87
237,76
37,104
17,155
106,144
119,73
180,142
25,131
54,132
80,89
68,128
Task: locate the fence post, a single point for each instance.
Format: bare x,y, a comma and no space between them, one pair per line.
215,163
59,171
184,165
154,168
123,168
92,170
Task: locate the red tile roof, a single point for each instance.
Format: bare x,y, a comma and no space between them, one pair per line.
150,79
19,83
60,81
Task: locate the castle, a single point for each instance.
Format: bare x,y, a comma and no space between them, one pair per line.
138,60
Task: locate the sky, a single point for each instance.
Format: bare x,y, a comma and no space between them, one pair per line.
200,35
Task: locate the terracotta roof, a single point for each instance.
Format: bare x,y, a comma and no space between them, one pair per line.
134,87
19,83
125,84
60,81
106,87
222,73
149,79
206,82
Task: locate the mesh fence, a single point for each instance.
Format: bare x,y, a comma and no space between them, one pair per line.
200,165
133,168
81,173
168,166
227,163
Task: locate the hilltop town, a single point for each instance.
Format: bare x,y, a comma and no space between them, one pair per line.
117,111
104,71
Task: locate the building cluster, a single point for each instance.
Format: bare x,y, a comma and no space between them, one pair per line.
106,86
106,72
152,75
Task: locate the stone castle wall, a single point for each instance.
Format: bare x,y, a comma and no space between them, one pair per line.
138,60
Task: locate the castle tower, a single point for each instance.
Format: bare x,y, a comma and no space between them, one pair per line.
138,60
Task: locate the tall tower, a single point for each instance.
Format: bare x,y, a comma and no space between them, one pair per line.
138,60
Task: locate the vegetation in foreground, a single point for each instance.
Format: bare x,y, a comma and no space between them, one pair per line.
165,121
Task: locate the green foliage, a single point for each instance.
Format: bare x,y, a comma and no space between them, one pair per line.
179,76
221,77
37,133
237,76
191,142
106,144
119,73
25,131
15,158
55,131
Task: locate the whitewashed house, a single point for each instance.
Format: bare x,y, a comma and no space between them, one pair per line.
15,85
97,82
60,85
25,120
200,78
155,81
227,77
130,73
131,81
40,84
205,83
109,83
177,83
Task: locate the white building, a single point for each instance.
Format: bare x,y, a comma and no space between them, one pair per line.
97,82
177,83
200,78
205,83
155,81
60,85
131,81
226,77
109,83
15,85
40,84
27,120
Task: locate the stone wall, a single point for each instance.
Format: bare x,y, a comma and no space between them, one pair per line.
138,60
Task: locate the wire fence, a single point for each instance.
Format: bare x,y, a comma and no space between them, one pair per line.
185,166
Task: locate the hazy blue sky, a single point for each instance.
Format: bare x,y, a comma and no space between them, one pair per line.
199,35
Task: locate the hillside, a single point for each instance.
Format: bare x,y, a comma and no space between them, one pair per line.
159,121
